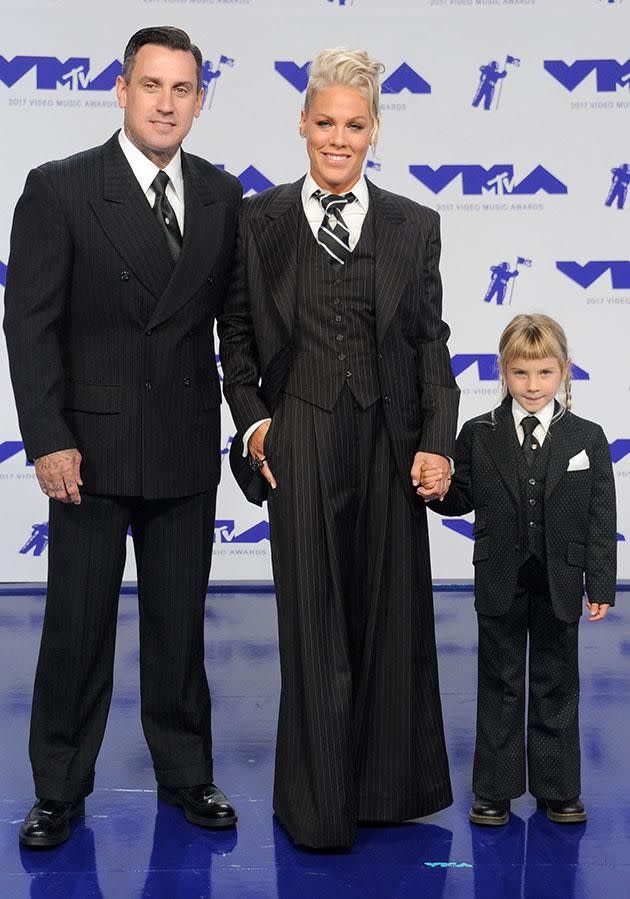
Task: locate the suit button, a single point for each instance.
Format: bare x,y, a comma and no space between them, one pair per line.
532,524
336,301
124,276
532,502
341,356
210,280
387,399
187,382
348,374
531,481
380,355
339,337
338,318
147,384
149,332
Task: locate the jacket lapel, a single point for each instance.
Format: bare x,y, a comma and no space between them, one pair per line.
499,442
276,237
392,264
566,439
203,237
128,221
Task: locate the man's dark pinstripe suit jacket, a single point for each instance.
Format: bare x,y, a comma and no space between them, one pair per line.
110,347
420,397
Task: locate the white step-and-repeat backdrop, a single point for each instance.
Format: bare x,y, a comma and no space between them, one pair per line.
510,117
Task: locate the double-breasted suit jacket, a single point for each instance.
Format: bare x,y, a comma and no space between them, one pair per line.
419,394
579,511
109,344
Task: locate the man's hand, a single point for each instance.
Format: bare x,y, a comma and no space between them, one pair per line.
256,449
59,475
431,475
597,610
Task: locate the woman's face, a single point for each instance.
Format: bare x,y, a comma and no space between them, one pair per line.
337,128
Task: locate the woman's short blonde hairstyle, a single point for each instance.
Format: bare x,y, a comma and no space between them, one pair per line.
535,336
348,68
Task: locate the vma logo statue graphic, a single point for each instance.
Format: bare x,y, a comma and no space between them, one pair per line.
491,82
502,276
210,77
587,274
402,78
498,179
619,186
610,75
73,74
38,541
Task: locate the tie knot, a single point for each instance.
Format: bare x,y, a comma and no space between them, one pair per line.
159,183
529,424
333,201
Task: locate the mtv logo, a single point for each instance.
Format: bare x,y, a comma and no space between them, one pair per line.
402,78
619,449
488,367
251,179
609,74
73,73
498,179
224,532
587,274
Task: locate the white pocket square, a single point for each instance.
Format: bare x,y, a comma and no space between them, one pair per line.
579,462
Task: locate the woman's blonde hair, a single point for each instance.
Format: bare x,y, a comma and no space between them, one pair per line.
348,68
535,336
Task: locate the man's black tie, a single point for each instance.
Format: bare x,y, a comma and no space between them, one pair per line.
333,234
530,444
165,215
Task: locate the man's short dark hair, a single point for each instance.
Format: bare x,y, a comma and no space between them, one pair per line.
164,36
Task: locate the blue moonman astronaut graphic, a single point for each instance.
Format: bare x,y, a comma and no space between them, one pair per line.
38,541
490,75
619,186
499,280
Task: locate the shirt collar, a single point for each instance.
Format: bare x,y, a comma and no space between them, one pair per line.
544,415
145,170
360,190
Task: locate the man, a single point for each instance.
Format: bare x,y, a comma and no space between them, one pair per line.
339,380
119,256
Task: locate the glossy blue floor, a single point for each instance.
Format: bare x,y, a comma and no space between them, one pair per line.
129,845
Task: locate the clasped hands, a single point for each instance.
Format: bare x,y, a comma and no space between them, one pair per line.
431,476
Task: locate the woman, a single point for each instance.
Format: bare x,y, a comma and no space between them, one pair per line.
338,377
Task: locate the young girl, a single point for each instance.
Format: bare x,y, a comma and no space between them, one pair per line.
541,483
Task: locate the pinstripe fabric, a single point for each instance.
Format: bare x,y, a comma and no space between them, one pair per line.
73,684
110,348
336,335
360,730
111,351
333,234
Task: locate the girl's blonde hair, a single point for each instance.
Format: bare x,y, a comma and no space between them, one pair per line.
348,68
535,336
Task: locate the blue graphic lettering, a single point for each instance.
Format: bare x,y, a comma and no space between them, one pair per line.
587,274
488,368
619,449
610,74
251,179
224,532
498,179
3,274
10,448
51,72
294,74
404,78
460,526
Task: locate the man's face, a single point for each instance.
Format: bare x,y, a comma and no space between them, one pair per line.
160,100
337,129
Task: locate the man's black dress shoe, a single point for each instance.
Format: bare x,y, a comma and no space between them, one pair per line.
204,805
48,823
493,812
564,811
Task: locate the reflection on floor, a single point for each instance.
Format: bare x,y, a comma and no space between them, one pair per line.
129,845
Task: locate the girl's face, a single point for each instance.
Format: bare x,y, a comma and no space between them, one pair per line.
534,382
